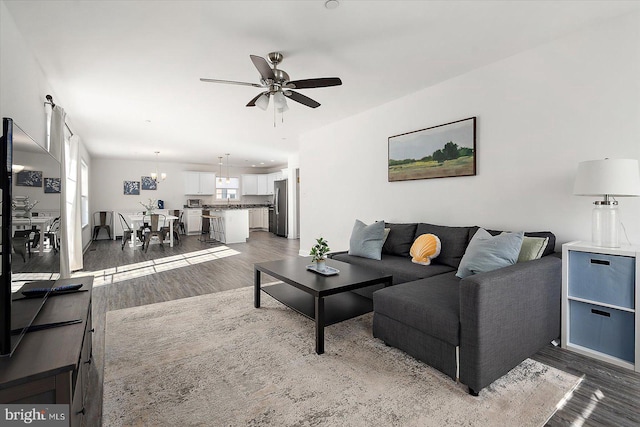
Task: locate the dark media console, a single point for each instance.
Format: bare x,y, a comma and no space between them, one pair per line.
51,364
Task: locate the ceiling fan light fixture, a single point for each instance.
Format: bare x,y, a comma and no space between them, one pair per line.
263,102
284,108
279,100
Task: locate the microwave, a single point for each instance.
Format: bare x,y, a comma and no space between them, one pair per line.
194,203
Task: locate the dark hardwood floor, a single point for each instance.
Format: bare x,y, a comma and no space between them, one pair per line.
607,395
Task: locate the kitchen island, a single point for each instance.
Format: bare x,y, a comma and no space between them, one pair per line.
233,227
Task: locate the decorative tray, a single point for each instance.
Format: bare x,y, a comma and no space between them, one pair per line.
328,271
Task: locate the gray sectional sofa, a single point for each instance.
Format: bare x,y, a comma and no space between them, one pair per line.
474,329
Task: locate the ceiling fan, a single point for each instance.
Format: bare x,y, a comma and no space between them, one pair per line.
278,85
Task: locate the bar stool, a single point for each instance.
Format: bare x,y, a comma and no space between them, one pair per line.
217,225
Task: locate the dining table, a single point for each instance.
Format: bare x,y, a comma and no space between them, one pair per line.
41,222
137,220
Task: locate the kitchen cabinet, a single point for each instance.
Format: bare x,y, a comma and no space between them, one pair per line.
199,183
271,178
262,185
259,218
193,221
249,185
600,302
259,184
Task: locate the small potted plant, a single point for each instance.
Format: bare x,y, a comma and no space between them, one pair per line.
150,206
318,252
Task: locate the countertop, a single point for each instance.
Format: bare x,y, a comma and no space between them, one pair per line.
233,206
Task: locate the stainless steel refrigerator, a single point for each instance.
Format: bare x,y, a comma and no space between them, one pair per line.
280,207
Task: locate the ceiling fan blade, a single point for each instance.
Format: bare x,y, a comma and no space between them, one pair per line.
231,82
252,103
311,83
263,67
298,97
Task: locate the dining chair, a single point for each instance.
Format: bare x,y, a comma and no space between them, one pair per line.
21,243
101,219
156,228
176,225
52,234
128,231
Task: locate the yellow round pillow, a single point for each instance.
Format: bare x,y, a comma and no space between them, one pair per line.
425,248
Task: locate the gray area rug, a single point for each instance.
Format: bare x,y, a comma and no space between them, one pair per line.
215,360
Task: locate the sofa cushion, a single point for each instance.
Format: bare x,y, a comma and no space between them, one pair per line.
366,240
532,248
400,239
551,245
428,305
487,253
402,269
426,248
454,241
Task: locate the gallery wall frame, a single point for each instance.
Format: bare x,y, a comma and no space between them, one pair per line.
29,178
131,188
442,151
52,185
148,183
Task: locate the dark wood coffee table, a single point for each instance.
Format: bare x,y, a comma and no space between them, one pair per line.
324,299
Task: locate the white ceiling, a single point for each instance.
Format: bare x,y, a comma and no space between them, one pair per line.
127,72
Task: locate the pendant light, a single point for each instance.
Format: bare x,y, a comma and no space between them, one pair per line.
228,180
154,175
220,165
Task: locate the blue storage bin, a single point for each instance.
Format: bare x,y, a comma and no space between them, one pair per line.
603,329
608,279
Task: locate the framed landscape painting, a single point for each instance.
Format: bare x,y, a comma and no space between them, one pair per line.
441,151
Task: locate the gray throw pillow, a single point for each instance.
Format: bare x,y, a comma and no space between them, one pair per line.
367,240
487,253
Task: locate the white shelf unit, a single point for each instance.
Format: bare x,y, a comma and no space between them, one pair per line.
600,302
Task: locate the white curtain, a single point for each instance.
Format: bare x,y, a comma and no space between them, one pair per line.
71,230
74,203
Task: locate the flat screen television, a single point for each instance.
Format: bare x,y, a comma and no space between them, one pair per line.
29,171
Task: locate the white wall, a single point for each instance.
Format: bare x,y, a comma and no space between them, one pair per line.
23,85
539,113
107,176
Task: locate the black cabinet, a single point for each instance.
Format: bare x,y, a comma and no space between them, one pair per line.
52,365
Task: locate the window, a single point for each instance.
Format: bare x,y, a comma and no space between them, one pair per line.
227,190
84,193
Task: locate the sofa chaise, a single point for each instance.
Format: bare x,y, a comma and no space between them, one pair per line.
473,329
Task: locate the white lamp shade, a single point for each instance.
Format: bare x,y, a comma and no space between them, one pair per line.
263,102
614,177
279,100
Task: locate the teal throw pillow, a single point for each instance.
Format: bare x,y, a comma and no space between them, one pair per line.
367,240
486,252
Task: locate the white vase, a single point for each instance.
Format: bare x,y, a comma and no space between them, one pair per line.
321,264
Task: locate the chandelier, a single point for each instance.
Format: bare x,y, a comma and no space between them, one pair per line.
154,175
